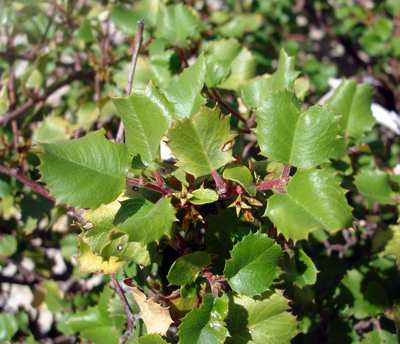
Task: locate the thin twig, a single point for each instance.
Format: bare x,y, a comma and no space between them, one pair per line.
128,311
128,90
151,186
183,57
222,188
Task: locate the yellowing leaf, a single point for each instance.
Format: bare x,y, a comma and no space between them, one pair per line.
156,317
92,263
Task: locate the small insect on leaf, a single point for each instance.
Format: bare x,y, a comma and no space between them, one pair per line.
227,146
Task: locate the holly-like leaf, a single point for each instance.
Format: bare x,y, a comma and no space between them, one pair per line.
92,263
205,324
323,205
95,324
151,339
374,185
217,71
304,271
202,144
353,103
185,93
243,63
176,23
155,317
85,172
253,265
392,247
284,76
146,114
241,175
187,268
203,196
259,320
287,133
144,221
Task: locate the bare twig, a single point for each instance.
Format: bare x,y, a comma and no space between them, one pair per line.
128,311
128,90
151,186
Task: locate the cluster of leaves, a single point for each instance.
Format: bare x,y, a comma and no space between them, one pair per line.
275,216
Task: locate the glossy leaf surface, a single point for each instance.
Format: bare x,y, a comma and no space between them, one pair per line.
304,271
85,172
297,213
241,175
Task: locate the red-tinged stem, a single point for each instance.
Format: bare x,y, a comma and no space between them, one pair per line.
128,311
276,184
158,176
222,188
218,98
14,172
183,57
128,90
161,189
210,277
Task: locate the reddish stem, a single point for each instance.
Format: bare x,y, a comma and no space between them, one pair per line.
161,189
277,183
222,188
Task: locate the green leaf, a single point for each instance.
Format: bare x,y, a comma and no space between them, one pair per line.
144,221
146,114
85,32
52,298
322,205
259,320
379,337
240,24
125,19
85,172
176,23
287,133
375,299
52,129
151,339
241,175
116,308
95,324
217,71
8,326
205,325
304,271
8,245
393,245
253,265
203,196
185,93
283,77
353,103
187,268
242,62
201,144
374,185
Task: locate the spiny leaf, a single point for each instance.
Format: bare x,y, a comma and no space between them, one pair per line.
353,103
241,175
186,92
243,63
86,172
323,205
187,268
92,263
145,222
205,325
287,133
146,114
253,265
201,144
259,320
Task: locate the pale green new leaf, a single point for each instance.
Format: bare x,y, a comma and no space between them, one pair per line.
202,144
8,245
146,114
204,196
85,172
253,265
283,77
374,185
186,92
176,23
205,325
241,175
144,221
187,268
287,133
353,103
303,271
242,61
217,71
323,205
259,320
